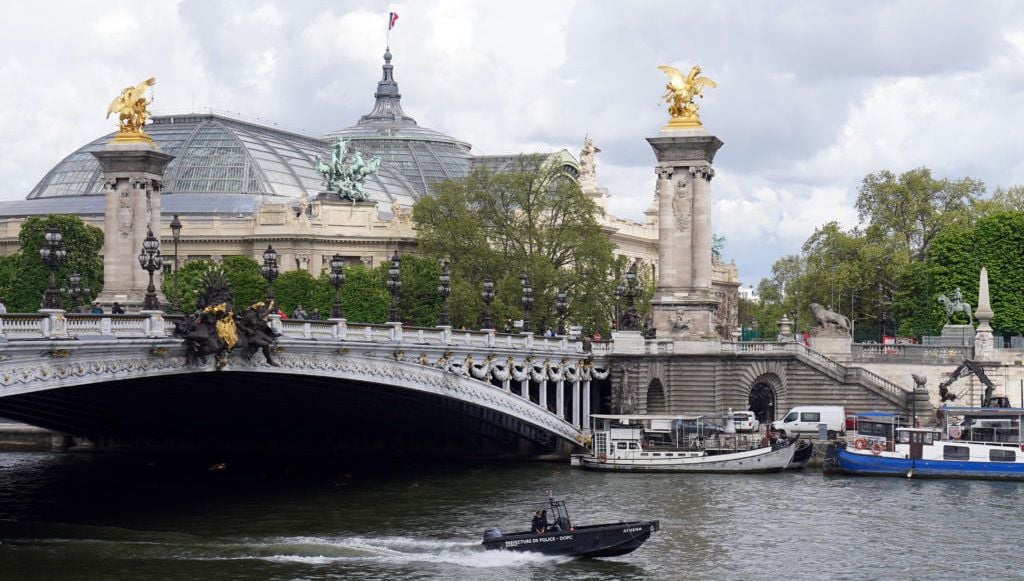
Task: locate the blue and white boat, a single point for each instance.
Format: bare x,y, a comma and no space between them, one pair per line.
981,443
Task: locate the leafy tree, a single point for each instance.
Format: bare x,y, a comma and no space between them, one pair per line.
24,277
364,296
246,279
294,288
531,219
419,303
911,209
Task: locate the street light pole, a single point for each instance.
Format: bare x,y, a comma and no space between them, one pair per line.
562,307
150,261
53,253
444,288
394,283
526,301
270,271
630,320
487,295
176,234
337,277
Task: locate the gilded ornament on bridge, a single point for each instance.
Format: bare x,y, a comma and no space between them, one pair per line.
131,108
680,92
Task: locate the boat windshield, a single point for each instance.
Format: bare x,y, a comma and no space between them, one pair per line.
561,515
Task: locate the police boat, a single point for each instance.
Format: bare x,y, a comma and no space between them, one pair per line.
561,537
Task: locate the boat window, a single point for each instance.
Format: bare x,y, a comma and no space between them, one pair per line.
657,453
1004,455
810,417
928,438
876,429
669,454
904,437
621,445
644,454
956,452
633,446
790,418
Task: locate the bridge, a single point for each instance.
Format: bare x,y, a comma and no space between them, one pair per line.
115,381
123,380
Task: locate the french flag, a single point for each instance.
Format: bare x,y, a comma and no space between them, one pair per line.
392,19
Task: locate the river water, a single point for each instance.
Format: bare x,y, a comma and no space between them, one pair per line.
67,516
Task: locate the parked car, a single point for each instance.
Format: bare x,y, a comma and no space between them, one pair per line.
805,419
746,421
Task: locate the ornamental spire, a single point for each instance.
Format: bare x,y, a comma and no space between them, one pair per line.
388,105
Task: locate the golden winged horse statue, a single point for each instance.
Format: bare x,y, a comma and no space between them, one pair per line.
680,92
130,107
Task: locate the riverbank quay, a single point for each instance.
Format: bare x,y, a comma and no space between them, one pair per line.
17,437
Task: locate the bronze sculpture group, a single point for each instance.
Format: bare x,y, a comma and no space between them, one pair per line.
215,328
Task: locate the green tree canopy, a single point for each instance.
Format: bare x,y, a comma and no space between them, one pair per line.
533,219
24,277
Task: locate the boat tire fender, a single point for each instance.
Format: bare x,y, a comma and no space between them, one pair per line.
876,448
860,443
602,458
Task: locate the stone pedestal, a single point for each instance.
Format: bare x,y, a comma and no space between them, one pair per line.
956,335
132,178
683,303
836,347
628,342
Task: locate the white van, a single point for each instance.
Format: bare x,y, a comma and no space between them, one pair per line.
805,420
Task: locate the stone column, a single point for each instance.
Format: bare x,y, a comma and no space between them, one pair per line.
542,394
560,398
684,304
133,178
576,403
524,388
586,405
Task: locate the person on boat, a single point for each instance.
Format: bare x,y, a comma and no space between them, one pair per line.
537,525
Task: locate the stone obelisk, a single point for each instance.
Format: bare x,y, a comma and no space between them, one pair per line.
133,169
684,304
984,342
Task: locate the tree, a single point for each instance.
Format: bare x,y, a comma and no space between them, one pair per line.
910,210
533,219
246,279
24,277
364,297
294,288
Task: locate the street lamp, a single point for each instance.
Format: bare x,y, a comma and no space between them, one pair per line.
630,320
337,277
526,301
150,261
561,307
270,270
394,284
176,234
53,254
620,291
487,295
444,288
75,289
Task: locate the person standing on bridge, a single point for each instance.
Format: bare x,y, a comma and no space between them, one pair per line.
3,308
299,313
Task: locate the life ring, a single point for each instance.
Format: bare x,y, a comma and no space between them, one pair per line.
602,458
1022,447
955,433
876,448
860,443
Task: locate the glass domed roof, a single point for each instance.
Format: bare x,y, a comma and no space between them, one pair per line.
220,155
422,155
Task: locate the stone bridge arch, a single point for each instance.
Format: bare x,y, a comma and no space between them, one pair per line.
764,389
90,391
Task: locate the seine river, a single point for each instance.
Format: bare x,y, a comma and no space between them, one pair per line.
108,517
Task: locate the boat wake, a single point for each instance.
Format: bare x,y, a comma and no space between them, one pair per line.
387,550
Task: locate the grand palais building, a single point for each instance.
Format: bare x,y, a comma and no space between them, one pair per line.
238,186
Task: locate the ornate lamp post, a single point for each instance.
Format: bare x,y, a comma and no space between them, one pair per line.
620,290
270,270
527,300
444,288
150,261
394,271
75,290
337,277
630,319
176,234
53,254
487,295
562,308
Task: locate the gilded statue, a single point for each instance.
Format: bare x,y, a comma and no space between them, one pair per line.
130,107
680,92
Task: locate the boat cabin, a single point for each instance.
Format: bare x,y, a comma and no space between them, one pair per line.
983,425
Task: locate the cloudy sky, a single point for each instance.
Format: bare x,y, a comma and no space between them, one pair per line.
812,95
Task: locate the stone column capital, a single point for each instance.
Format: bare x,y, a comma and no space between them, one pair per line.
663,172
703,171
